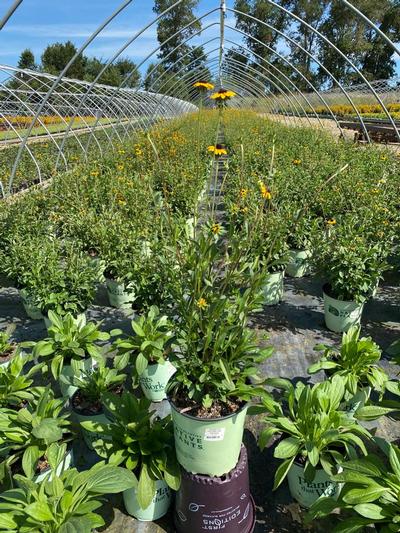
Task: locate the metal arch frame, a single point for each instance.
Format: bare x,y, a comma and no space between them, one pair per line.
132,40
239,31
61,76
315,59
236,85
268,79
122,107
185,67
334,47
10,13
158,48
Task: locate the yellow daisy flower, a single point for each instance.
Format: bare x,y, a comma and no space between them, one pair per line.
202,303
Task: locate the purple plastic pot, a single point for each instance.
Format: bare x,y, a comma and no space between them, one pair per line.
205,503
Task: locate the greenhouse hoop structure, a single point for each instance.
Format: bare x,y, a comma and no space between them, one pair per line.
270,87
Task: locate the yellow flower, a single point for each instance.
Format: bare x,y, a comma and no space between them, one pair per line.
296,161
201,303
331,222
265,192
375,191
222,94
204,85
382,181
211,148
243,193
217,150
121,152
120,166
216,229
383,157
94,173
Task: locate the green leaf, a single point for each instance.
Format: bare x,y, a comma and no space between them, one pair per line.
282,471
287,448
364,495
265,436
141,364
137,329
29,460
372,412
7,522
48,430
370,510
146,488
110,480
39,511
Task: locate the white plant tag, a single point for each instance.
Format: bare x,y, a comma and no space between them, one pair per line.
214,434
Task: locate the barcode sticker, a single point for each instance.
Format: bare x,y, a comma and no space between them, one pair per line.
214,434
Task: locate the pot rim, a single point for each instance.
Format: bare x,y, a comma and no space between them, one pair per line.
326,290
197,418
76,411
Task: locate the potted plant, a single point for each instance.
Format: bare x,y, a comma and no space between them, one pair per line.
71,288
119,251
145,446
357,361
217,355
317,437
16,382
370,494
351,264
299,243
270,244
8,348
87,402
150,349
71,347
27,433
67,502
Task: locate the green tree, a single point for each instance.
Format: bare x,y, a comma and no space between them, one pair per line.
56,57
313,13
176,19
27,60
358,41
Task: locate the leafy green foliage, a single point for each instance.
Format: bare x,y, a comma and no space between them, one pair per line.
143,444
357,362
219,352
64,504
70,340
27,433
96,382
313,426
151,342
6,344
371,492
16,381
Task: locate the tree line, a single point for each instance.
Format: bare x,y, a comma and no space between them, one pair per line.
309,60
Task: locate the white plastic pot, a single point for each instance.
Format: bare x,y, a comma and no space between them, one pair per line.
66,463
118,295
31,309
298,264
273,288
67,391
158,507
154,380
341,315
307,493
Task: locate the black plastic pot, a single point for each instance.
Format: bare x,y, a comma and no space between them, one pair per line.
205,503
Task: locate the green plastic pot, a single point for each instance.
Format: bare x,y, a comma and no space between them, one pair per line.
298,264
154,380
66,463
158,507
341,315
33,311
307,493
118,296
67,391
273,288
209,446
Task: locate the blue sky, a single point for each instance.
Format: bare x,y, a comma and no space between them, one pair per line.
37,23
